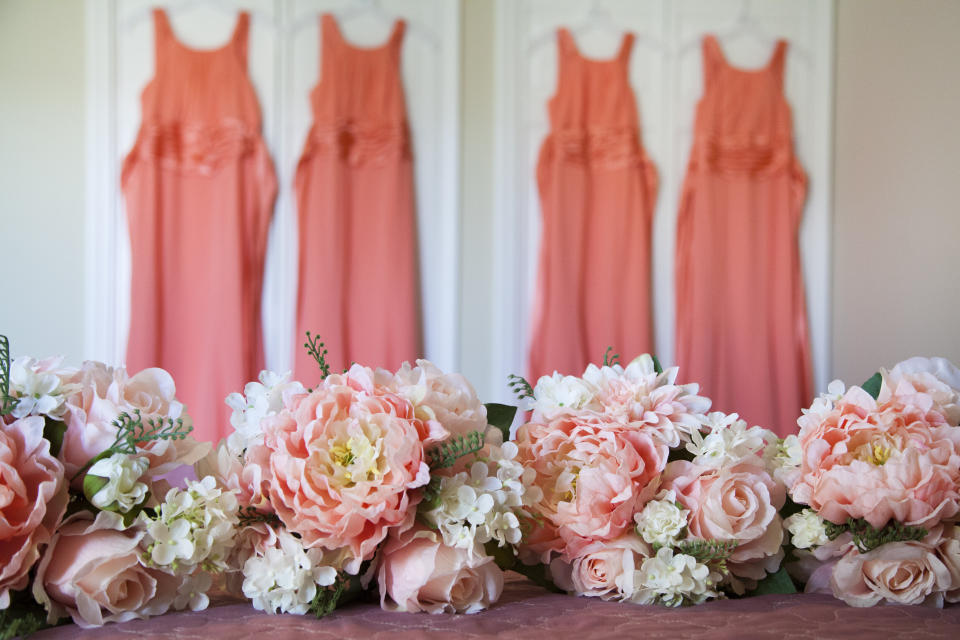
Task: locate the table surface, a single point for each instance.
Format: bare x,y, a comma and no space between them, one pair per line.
528,611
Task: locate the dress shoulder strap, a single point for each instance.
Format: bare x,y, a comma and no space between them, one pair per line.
626,46
778,61
712,58
162,33
241,37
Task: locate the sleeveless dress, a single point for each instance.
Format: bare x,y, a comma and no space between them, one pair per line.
358,286
741,312
199,189
597,194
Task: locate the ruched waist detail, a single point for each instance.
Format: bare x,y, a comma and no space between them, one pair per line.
603,147
359,143
758,155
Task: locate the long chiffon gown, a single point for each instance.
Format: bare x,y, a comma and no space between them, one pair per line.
597,194
741,311
358,286
199,189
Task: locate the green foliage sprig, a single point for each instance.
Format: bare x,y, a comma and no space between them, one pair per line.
7,402
608,360
249,515
709,552
345,588
23,617
866,537
521,388
135,430
318,352
446,454
656,365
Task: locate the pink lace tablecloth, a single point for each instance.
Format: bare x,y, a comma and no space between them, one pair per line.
527,611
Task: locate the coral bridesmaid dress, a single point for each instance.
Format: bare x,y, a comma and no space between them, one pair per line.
597,194
199,189
741,312
354,190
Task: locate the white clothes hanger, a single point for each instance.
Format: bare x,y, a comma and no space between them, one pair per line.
374,9
745,25
223,6
597,18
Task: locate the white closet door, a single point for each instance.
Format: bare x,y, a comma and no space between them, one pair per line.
283,59
666,77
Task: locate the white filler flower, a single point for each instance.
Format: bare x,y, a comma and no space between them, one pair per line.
285,577
195,527
728,442
806,529
38,388
259,399
122,473
662,520
669,579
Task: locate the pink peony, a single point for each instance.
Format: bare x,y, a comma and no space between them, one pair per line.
595,473
104,393
92,572
600,565
419,573
896,458
733,503
33,497
233,473
342,461
898,572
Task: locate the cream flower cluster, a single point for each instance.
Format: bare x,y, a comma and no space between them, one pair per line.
193,527
486,503
259,400
663,520
122,473
39,387
806,529
283,578
670,579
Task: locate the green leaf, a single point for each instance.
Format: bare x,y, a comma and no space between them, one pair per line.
53,431
779,582
872,386
23,617
538,574
501,416
656,365
7,402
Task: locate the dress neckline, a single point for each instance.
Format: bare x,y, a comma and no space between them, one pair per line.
394,30
748,71
617,57
203,51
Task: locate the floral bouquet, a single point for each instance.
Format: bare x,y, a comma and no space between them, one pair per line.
89,527
645,497
875,478
390,482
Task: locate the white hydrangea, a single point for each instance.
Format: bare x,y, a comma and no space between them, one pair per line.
284,578
193,590
476,507
259,399
669,579
806,529
122,473
557,393
662,520
728,441
193,527
38,387
783,458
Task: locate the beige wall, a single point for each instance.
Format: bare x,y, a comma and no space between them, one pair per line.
897,177
896,284
42,176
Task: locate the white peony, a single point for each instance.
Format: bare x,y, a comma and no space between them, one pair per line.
123,473
193,527
557,393
806,529
448,398
284,578
662,520
38,387
259,399
669,579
